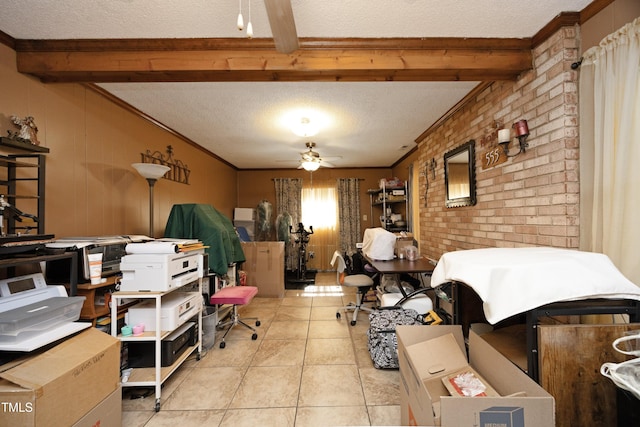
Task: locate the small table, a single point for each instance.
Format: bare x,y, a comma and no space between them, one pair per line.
398,266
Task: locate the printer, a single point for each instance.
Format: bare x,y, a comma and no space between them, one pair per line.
33,314
177,308
112,249
160,272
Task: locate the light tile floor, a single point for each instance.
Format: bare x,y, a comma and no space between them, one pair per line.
307,368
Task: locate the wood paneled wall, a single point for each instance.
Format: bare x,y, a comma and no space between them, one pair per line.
92,190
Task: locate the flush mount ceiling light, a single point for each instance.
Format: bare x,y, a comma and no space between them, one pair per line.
305,128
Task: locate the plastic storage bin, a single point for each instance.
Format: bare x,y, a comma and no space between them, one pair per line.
36,318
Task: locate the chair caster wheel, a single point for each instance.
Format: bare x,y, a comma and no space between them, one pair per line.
257,323
254,337
338,316
222,344
353,323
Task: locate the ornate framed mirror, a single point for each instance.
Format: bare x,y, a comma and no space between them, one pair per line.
460,175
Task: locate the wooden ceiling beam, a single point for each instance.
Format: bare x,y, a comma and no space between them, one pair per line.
199,60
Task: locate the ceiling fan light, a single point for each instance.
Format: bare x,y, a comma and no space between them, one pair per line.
310,166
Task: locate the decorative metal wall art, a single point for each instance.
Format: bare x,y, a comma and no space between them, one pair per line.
179,172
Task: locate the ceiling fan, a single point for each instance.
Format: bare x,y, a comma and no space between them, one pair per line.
283,26
311,160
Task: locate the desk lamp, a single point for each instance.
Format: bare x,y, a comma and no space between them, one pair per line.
151,172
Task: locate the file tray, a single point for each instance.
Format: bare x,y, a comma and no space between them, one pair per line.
36,318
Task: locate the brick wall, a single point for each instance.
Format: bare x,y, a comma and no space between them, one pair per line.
531,199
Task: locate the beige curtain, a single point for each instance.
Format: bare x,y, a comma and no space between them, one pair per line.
349,214
319,209
610,149
289,201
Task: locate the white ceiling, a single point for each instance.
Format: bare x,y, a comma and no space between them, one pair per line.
363,124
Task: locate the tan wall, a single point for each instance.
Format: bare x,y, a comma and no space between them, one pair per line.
256,185
91,187
611,18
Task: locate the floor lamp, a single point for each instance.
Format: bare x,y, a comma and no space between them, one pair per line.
151,172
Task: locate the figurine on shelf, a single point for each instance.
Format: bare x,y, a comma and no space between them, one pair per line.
28,130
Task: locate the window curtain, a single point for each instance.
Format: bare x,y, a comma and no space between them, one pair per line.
610,149
289,201
349,213
319,209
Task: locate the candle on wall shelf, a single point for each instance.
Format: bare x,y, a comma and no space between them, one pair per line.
504,135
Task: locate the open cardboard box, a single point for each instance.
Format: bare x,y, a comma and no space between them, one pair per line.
427,354
59,386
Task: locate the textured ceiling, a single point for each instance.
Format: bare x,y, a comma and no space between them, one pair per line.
362,124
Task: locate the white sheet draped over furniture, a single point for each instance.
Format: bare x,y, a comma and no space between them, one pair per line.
511,281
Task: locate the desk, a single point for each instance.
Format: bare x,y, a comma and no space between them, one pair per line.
398,266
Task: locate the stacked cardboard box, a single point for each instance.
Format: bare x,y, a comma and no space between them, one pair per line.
63,385
430,354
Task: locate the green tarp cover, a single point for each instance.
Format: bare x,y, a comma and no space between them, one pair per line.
205,223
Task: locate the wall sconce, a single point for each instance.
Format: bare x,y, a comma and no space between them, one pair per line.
151,172
432,167
522,132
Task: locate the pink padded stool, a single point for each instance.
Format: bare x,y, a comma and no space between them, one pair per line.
235,295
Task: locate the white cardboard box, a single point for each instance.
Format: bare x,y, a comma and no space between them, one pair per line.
244,214
428,353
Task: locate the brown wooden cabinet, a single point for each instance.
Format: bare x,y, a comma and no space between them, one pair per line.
97,299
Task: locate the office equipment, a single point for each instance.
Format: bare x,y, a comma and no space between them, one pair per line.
158,272
177,308
160,305
112,249
33,314
360,281
235,295
142,354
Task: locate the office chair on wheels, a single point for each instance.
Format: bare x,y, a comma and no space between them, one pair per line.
360,281
236,296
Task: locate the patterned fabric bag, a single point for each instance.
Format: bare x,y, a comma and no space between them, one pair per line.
382,339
